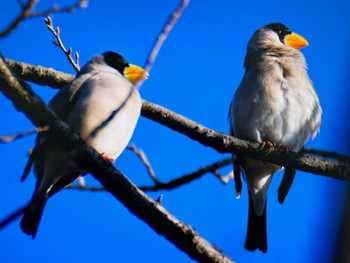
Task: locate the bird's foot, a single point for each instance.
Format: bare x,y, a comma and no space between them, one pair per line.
107,158
268,144
268,147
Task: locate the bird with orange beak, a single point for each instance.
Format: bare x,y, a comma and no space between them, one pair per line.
275,104
102,105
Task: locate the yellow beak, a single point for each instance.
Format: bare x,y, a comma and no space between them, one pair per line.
296,41
135,73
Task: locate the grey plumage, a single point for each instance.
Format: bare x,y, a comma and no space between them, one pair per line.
274,102
87,106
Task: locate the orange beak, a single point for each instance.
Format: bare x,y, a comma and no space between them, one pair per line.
135,73
296,41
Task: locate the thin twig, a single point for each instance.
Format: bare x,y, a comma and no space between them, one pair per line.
85,188
20,2
26,8
12,217
162,37
175,183
224,178
185,179
26,13
57,9
150,61
81,181
142,156
12,137
59,43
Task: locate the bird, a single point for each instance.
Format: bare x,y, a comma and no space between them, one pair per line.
275,104
103,106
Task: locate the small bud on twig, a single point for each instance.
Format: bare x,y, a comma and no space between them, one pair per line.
48,21
159,199
83,3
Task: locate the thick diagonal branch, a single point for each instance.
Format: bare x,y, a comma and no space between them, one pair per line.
165,224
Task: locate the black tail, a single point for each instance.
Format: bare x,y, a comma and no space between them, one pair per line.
256,233
32,216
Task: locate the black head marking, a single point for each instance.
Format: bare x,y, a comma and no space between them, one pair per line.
115,61
280,29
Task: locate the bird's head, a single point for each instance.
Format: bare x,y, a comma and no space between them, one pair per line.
275,34
131,72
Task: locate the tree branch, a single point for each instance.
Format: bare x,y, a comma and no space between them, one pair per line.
27,13
172,184
227,144
26,8
165,224
188,177
12,137
143,158
163,36
40,75
57,9
223,143
67,52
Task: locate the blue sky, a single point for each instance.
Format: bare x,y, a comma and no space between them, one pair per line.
196,74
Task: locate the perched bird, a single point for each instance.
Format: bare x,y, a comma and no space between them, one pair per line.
102,105
274,103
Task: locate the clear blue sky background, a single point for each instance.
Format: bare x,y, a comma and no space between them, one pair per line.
196,74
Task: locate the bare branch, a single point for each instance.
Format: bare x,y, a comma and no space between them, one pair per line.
26,8
162,37
81,180
224,143
57,9
26,13
85,188
20,2
142,156
40,75
12,217
165,224
59,43
12,137
326,154
185,179
224,178
337,168
175,183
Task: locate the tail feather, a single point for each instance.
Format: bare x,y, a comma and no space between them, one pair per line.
32,216
256,237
